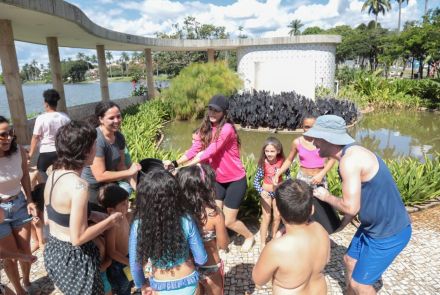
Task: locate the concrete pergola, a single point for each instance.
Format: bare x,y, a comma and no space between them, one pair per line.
56,23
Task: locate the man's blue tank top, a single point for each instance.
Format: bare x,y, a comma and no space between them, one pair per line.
382,213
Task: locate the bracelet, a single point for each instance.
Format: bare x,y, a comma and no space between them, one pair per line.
174,162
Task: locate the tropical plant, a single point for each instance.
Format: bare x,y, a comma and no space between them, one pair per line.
285,110
376,7
109,58
191,90
400,12
295,26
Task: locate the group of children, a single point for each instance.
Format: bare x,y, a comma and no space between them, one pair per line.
177,215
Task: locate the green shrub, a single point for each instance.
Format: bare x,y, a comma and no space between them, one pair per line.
191,90
426,89
373,89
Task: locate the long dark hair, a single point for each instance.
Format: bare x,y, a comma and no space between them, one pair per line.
198,190
278,146
73,142
160,236
13,147
103,106
206,127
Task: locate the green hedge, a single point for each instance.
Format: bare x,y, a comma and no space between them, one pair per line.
417,181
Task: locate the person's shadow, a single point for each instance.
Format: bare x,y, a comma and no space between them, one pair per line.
238,280
336,268
43,286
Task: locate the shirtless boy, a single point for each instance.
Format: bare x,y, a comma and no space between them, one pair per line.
115,199
295,262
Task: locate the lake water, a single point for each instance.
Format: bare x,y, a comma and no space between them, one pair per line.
75,94
390,134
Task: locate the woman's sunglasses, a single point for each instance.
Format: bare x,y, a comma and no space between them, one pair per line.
6,134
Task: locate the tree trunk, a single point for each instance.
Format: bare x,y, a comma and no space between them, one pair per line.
426,6
375,22
412,68
420,69
400,14
404,66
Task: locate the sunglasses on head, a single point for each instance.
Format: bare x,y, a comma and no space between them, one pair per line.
6,134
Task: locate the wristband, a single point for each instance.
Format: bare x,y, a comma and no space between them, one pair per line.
174,162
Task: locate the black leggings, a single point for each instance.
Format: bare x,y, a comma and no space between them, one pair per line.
231,193
45,160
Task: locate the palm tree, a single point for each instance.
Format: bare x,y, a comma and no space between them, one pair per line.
135,56
376,7
93,59
426,6
124,59
294,26
80,56
400,12
109,57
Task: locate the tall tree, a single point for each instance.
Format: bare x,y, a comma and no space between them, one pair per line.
400,13
124,60
109,58
294,27
241,35
376,7
80,56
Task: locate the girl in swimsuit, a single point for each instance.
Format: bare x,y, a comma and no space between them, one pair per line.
271,159
198,193
313,168
163,235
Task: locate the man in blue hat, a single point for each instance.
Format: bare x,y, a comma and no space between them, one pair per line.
368,190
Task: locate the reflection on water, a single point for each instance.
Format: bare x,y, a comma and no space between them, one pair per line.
390,134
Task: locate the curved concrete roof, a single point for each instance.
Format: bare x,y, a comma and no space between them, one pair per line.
34,20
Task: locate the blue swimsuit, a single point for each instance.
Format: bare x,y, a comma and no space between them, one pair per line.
186,285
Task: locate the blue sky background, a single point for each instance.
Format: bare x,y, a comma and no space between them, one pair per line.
260,18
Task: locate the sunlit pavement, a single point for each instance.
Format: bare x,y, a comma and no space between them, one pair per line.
415,271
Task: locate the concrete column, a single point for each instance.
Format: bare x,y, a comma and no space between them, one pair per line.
103,81
11,76
150,79
55,68
211,55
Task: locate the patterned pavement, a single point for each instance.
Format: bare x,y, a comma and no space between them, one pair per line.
415,271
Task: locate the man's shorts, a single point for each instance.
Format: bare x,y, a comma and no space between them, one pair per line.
374,255
16,215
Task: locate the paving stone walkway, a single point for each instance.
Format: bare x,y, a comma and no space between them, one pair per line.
415,271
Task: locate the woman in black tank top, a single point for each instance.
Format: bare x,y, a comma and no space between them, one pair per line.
70,256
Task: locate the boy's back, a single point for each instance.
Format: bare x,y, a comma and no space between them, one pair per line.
296,261
300,257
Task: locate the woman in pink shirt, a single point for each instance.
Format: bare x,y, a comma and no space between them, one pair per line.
217,144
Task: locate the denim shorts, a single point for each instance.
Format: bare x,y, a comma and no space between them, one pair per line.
16,215
375,255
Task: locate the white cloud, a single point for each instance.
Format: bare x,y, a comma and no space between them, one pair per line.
259,18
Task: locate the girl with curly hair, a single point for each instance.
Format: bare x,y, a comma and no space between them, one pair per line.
165,235
198,197
217,144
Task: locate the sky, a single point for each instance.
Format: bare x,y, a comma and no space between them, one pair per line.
259,18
